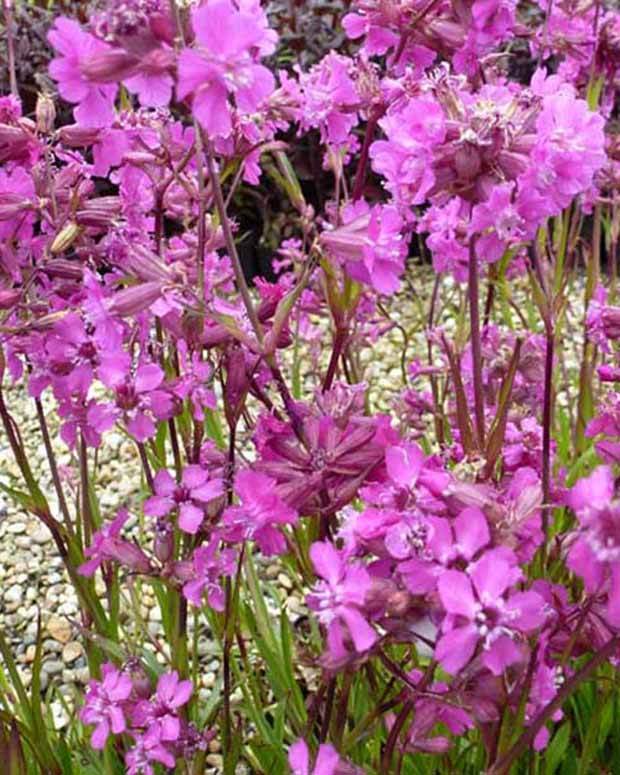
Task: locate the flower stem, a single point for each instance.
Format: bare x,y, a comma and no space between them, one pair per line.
51,459
339,341
476,348
232,248
10,46
547,423
525,740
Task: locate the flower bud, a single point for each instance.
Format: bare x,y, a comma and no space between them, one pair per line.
65,237
9,297
75,136
610,317
132,300
129,555
139,158
110,66
11,205
15,141
100,212
146,265
45,114
164,541
63,269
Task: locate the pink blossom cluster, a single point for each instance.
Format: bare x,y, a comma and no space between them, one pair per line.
450,531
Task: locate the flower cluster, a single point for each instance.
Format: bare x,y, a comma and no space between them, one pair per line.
451,533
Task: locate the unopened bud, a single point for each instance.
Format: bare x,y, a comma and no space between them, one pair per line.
132,300
99,212
129,555
65,238
163,546
75,136
11,205
110,66
138,158
9,297
63,269
45,114
146,265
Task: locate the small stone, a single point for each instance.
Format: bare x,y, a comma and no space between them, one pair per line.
215,760
53,667
60,717
14,594
30,654
59,629
16,528
284,581
208,680
155,614
41,535
71,651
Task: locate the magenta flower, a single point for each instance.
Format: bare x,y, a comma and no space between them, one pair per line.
595,553
570,148
260,510
330,100
149,749
190,497
86,418
208,564
107,546
338,600
482,611
142,399
95,101
498,223
371,245
222,64
162,709
103,705
327,760
405,158
152,82
445,544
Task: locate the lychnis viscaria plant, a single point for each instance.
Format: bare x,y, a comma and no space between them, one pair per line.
443,183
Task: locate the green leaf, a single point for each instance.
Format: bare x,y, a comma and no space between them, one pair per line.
554,754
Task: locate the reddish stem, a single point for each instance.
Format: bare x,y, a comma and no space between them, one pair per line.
476,347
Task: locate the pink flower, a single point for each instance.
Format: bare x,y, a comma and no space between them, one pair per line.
152,81
338,600
141,399
405,159
189,497
326,762
208,564
107,546
260,510
103,706
480,610
371,245
95,101
148,750
330,99
498,222
162,709
446,544
570,148
223,63
595,553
